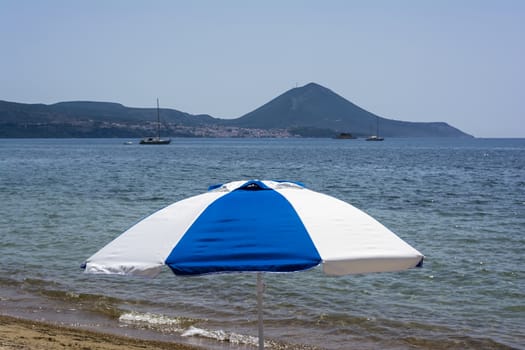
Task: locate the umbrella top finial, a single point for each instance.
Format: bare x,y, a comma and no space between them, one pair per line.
255,185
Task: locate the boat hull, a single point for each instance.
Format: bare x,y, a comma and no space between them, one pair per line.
374,138
155,141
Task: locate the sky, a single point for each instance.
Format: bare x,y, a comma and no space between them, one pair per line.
456,61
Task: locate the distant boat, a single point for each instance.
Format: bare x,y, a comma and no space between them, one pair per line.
155,140
345,136
375,137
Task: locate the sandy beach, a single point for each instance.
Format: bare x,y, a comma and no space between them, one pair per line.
21,334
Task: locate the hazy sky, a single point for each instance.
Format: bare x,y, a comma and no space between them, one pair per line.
458,61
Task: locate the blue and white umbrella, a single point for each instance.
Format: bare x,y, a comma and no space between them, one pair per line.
256,226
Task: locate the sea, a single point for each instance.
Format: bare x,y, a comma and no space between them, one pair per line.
459,201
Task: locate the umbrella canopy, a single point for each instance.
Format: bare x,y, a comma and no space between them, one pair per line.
255,226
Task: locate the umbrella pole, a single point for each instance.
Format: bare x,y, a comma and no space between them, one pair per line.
260,290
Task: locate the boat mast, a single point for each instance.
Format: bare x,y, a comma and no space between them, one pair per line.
158,120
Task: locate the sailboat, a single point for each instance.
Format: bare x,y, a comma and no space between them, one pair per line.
155,140
375,137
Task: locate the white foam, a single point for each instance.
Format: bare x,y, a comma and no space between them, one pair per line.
181,325
220,335
152,320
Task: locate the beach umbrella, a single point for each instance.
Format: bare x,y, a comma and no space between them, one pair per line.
255,226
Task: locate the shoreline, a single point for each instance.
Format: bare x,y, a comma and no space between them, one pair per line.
17,333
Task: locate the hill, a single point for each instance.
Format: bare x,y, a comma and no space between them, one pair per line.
11,112
310,110
314,107
91,119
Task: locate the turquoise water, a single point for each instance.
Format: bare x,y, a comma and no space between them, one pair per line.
461,202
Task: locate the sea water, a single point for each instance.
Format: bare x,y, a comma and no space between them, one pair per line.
461,202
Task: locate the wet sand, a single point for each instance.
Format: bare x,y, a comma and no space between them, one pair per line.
22,334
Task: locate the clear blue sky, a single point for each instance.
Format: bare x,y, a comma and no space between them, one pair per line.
458,61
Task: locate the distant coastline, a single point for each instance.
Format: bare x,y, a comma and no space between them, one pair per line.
308,111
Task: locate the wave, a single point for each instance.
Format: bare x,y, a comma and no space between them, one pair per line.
186,327
157,322
223,336
189,327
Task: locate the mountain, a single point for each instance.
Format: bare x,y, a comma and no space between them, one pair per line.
96,111
90,119
310,110
314,107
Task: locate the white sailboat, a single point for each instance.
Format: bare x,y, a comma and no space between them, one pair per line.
155,140
375,137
